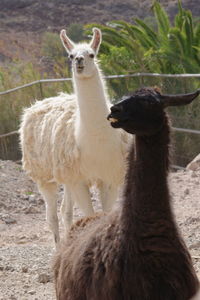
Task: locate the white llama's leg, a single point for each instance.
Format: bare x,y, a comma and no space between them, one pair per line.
81,196
49,192
67,208
108,195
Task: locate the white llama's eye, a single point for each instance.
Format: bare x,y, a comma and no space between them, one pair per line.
91,55
71,56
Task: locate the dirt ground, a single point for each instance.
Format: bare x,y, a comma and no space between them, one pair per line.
26,245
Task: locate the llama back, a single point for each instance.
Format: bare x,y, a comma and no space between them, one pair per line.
45,125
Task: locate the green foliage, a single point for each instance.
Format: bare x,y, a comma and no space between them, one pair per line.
51,45
19,73
162,19
12,104
160,47
76,32
157,46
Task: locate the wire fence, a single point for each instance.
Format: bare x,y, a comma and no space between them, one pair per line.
186,125
106,77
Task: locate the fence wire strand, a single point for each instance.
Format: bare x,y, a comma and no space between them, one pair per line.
106,77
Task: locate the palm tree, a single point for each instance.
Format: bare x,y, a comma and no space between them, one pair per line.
166,49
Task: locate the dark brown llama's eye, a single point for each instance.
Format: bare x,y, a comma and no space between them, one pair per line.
71,56
91,55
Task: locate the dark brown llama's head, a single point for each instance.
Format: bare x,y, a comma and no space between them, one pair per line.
142,113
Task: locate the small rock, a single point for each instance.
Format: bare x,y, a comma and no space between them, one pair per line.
194,175
3,227
31,210
40,201
44,278
9,268
186,192
22,237
24,269
2,205
34,237
9,220
26,286
194,164
25,197
195,246
31,292
32,199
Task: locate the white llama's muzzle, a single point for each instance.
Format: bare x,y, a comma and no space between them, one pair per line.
79,60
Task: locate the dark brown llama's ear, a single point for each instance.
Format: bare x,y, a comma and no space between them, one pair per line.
177,100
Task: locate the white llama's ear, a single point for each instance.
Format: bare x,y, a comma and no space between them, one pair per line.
96,40
67,43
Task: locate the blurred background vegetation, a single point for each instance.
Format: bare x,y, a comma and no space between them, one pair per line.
155,44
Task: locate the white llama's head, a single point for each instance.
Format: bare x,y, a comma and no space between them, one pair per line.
82,55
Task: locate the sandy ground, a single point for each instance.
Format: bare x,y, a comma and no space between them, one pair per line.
26,245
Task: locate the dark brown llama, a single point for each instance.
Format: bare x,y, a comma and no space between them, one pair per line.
135,253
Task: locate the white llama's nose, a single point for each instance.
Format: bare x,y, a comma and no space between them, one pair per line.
79,59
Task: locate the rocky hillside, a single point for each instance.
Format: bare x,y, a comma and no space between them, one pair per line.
37,16
23,22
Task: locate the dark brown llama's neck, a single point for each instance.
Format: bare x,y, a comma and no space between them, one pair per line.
146,195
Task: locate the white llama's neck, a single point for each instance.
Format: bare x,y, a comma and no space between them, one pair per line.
92,101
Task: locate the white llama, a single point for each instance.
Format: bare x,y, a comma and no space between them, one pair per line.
67,140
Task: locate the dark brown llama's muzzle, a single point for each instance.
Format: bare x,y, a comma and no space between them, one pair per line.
116,114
